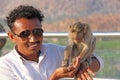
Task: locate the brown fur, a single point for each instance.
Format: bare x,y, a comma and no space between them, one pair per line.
83,47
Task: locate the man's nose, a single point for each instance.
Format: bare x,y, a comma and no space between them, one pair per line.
32,38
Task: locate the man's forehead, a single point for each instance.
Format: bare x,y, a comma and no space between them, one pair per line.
23,22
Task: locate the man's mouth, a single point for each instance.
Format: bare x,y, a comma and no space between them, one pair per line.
34,45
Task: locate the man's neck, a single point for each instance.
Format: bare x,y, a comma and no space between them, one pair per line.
31,57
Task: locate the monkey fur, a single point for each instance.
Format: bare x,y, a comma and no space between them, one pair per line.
81,43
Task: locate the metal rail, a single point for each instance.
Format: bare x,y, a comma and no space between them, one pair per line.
54,34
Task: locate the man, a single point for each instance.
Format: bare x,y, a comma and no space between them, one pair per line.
31,59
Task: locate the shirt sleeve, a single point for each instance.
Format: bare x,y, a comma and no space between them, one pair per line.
100,60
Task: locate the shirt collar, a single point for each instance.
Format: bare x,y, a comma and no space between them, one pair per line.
43,53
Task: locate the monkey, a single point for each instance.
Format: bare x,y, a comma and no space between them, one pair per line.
81,43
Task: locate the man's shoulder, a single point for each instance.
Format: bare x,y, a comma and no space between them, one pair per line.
54,48
50,45
6,57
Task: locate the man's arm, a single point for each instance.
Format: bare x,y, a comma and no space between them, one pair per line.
100,61
95,64
70,71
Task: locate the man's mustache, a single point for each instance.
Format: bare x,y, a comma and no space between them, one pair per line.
32,43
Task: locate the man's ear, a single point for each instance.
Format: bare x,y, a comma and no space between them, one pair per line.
11,36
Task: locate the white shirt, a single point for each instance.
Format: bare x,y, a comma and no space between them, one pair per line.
15,67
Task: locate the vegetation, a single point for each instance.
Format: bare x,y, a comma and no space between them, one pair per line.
107,49
98,23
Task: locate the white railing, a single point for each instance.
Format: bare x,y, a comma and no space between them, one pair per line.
54,34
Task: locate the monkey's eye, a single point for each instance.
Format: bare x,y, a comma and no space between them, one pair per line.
73,31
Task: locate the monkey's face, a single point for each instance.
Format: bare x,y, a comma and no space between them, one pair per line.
77,32
76,35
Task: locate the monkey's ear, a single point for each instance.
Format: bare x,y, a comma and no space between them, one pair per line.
85,28
69,27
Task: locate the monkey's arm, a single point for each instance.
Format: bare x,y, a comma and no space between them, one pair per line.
84,50
65,61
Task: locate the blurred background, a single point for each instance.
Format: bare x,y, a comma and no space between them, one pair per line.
102,15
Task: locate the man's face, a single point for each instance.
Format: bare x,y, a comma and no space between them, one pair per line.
27,35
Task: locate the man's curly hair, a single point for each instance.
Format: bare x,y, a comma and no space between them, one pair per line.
23,11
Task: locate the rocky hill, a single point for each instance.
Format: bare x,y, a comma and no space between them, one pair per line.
102,15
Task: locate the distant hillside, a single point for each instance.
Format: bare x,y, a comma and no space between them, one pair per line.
98,23
102,15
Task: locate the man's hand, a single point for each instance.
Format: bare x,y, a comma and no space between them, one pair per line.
85,73
69,71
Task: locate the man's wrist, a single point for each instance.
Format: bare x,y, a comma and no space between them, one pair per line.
53,77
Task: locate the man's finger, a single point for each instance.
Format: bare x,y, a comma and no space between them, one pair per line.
90,72
87,76
83,76
80,75
77,61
